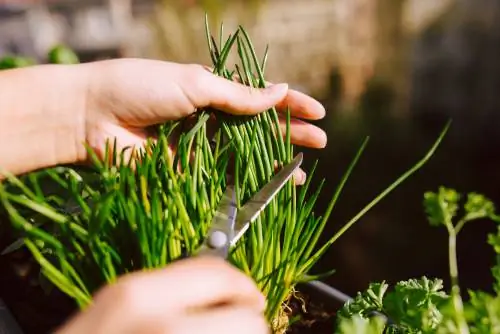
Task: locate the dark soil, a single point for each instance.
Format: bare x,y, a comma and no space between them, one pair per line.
311,316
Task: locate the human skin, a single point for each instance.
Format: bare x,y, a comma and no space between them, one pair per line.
48,113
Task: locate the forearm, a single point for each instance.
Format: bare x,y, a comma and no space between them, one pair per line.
40,117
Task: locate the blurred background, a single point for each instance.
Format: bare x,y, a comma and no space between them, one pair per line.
394,70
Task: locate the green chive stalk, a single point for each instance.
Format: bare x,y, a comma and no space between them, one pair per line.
87,228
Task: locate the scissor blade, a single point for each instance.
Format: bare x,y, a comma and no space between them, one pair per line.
261,199
222,226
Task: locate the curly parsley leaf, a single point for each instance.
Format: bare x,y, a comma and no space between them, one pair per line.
359,325
483,313
365,303
412,306
494,241
415,303
421,306
441,207
478,206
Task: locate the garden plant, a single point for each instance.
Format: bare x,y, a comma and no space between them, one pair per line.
422,305
87,226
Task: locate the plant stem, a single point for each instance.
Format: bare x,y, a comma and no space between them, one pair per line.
455,287
459,226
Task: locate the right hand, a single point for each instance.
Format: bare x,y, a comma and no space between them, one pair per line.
197,295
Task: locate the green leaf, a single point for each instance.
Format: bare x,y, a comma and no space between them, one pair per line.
415,303
413,306
365,303
483,313
360,325
478,206
309,278
494,241
441,207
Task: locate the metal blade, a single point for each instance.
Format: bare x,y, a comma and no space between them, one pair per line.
261,199
221,230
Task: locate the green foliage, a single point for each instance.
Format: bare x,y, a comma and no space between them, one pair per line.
415,303
484,312
367,302
421,305
87,228
58,54
494,241
360,325
441,207
9,62
411,306
61,54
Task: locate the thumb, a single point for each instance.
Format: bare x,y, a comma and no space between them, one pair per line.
233,97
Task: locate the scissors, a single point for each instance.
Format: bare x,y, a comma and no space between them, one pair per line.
229,224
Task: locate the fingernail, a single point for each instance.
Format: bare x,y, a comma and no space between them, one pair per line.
299,177
303,177
324,139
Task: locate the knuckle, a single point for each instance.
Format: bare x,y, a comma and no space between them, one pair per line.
195,79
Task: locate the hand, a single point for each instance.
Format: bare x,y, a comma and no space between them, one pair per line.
197,295
126,96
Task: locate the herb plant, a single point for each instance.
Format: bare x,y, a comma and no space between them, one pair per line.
86,228
422,305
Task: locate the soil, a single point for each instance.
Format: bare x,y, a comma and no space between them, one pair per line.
37,311
312,316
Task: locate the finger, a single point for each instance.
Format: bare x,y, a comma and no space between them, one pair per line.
227,320
299,177
301,106
188,284
205,89
304,134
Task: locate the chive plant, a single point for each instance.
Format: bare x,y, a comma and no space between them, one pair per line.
158,211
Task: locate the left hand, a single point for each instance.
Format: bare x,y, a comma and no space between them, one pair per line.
48,112
125,96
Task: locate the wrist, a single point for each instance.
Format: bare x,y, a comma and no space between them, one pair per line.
66,104
42,112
